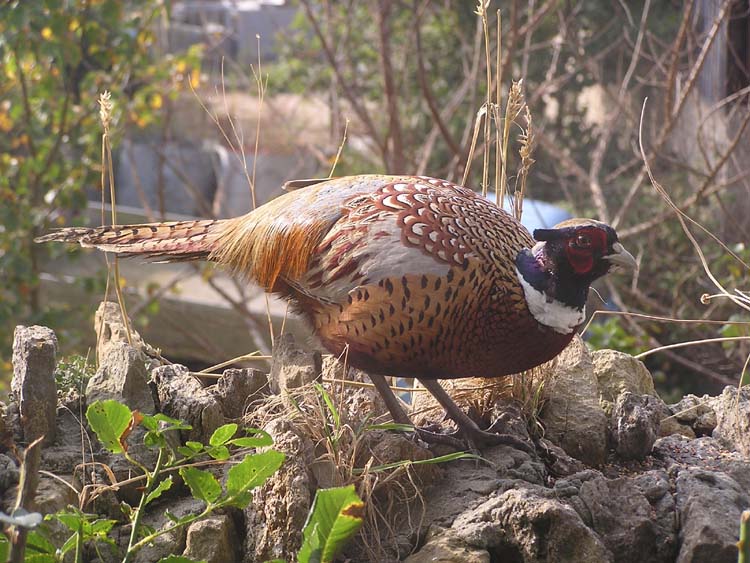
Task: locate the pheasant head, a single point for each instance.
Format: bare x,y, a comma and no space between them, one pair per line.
557,272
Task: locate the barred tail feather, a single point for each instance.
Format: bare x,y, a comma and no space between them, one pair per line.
168,242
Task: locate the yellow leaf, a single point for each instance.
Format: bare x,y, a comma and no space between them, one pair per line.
47,33
5,123
156,101
180,67
73,25
195,78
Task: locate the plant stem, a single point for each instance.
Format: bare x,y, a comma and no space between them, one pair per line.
151,478
744,544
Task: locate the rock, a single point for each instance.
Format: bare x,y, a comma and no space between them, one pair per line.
381,448
572,416
709,504
696,413
668,424
446,548
275,517
617,372
33,384
560,464
527,525
8,473
110,329
213,540
122,376
169,543
358,401
635,425
293,367
236,387
621,515
733,419
52,496
182,396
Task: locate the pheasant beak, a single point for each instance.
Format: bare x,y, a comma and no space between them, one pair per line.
621,258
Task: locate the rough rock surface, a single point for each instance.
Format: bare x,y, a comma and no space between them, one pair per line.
183,397
123,366
33,385
292,366
446,548
213,540
237,387
732,423
709,504
528,524
635,425
275,517
572,416
617,372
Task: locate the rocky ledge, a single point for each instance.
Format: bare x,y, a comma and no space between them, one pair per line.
617,475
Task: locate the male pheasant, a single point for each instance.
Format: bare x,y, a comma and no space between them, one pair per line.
411,276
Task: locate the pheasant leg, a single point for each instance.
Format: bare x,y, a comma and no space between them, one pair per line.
467,428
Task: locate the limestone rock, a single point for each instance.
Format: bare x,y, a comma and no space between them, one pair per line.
635,425
528,525
122,376
182,396
709,505
572,416
292,366
733,419
236,387
33,384
617,372
213,540
446,548
622,515
275,517
172,542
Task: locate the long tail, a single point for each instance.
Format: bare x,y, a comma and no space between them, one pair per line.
168,242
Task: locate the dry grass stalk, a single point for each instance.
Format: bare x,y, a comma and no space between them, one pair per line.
525,151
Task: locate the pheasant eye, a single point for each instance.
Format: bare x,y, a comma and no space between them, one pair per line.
583,241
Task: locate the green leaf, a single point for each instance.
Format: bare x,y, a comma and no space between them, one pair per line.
195,446
220,452
164,485
109,420
329,403
4,547
454,456
203,485
336,515
251,472
178,559
260,439
222,434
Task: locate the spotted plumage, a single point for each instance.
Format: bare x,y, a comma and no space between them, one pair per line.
411,276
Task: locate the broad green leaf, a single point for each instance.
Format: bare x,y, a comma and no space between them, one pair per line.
336,515
220,452
4,547
251,472
38,549
203,485
178,559
164,485
109,420
195,446
258,439
222,434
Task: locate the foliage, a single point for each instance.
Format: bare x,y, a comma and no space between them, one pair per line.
610,333
334,518
73,372
55,59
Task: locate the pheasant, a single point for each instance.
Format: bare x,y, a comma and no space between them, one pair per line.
408,275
